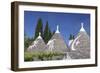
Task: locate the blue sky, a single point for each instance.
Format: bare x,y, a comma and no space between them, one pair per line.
69,23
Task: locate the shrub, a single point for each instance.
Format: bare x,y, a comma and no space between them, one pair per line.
29,56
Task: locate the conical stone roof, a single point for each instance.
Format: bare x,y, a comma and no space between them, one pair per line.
57,43
38,45
80,48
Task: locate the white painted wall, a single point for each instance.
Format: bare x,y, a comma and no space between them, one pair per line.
5,36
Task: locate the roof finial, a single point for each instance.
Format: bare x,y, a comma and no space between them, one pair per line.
39,33
82,27
57,31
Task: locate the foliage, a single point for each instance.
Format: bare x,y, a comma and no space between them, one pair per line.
39,28
29,56
53,33
71,37
47,33
27,41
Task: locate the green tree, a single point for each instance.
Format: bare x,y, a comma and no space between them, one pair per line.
71,37
47,33
39,28
53,33
27,42
50,34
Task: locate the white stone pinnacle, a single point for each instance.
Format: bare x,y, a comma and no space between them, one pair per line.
39,37
82,27
39,33
57,31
